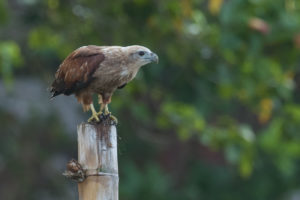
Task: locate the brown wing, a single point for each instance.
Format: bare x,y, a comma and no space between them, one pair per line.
76,71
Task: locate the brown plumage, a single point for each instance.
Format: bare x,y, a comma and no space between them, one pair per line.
101,70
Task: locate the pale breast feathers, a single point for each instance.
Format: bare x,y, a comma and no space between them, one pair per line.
76,71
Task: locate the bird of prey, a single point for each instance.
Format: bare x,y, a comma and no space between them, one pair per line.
99,70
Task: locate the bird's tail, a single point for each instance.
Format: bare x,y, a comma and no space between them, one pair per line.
56,88
54,94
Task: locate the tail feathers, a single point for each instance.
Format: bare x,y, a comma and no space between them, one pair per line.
57,88
54,94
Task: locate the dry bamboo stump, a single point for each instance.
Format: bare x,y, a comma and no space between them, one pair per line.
97,168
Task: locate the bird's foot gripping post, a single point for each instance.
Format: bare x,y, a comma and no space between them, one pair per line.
105,119
94,116
97,168
102,117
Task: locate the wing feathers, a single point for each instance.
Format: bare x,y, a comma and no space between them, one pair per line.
76,71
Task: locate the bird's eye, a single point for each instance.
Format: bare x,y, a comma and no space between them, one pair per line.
141,53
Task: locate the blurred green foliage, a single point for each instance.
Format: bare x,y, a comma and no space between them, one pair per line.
10,57
217,118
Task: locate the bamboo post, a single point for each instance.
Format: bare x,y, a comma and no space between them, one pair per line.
97,153
97,168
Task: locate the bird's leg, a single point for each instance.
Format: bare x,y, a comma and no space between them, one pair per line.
94,114
107,113
101,104
101,109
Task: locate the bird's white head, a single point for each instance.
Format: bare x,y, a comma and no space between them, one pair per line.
140,55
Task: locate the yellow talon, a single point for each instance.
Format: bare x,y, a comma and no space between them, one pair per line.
99,113
113,118
94,114
106,112
94,117
98,116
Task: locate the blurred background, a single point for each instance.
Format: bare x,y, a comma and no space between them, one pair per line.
217,118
